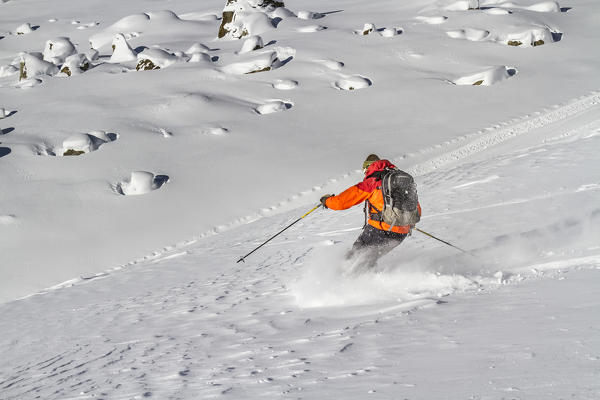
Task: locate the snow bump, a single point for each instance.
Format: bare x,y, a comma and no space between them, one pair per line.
273,106
353,82
141,182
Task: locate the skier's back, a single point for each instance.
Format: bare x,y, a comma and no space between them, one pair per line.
378,237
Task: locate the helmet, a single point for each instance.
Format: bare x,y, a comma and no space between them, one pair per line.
370,160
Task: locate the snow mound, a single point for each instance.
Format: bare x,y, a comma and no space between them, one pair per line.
309,15
197,48
141,182
524,36
8,70
311,28
24,29
34,65
75,64
198,53
199,16
487,77
154,58
273,106
461,5
545,6
253,62
353,82
215,131
285,84
200,57
496,11
471,34
367,29
58,49
331,64
28,83
251,44
159,23
390,32
122,52
528,37
435,20
81,143
7,220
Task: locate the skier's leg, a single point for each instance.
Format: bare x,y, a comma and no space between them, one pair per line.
389,242
363,241
372,244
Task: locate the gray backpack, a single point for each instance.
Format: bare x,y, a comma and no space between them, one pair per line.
400,200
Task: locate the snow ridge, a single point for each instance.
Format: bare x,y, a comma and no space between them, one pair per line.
496,137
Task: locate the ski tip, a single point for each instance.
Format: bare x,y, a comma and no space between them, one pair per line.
241,260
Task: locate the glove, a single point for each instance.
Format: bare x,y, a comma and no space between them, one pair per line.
324,199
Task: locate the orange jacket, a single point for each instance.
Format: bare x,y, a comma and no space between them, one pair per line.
369,189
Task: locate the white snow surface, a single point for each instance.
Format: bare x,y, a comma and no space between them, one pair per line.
118,273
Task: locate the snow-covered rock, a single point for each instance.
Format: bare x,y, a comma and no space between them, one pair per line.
81,143
260,62
24,29
75,65
487,77
154,58
58,49
527,37
141,182
246,17
367,29
122,52
34,65
252,43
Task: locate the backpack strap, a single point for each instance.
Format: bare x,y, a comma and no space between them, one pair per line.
376,216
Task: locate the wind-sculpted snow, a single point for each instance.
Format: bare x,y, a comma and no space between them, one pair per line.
150,24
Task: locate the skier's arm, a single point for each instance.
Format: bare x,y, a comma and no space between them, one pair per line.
348,198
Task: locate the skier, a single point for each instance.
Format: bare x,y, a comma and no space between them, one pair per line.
377,238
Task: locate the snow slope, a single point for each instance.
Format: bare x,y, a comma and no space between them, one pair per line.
517,320
118,273
214,133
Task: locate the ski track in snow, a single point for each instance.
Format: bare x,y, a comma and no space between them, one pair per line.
484,140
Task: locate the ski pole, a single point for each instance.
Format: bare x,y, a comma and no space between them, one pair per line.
443,241
279,233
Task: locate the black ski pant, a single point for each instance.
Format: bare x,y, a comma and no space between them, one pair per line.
373,244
